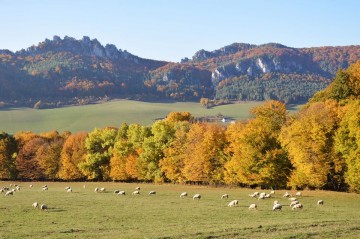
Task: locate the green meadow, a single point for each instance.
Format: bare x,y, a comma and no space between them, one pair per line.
113,113
84,213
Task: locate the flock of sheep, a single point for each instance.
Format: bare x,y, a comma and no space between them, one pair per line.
294,201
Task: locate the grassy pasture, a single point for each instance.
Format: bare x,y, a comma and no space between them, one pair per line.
86,214
113,113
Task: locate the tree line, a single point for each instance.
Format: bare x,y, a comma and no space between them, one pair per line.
317,148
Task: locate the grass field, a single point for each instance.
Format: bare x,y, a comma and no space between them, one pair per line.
86,214
113,113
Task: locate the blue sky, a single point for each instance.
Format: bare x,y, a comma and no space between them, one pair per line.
174,29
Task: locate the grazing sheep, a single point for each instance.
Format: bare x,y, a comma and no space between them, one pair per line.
294,203
35,205
102,190
233,203
137,188
297,206
184,194
2,190
272,192
252,206
298,194
44,188
277,207
293,199
8,193
224,196
136,192
276,202
84,186
30,186
197,196
262,196
69,190
68,187
268,195
121,193
152,193
116,191
17,188
286,195
253,195
96,190
320,202
43,207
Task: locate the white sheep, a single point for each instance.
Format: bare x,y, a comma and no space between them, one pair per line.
320,202
252,206
233,203
297,206
44,188
69,190
35,205
96,190
276,202
277,207
286,195
68,187
294,203
272,192
268,195
102,190
137,188
293,199
30,186
17,188
262,196
152,193
253,195
298,194
136,192
43,207
8,193
224,196
121,193
184,194
197,196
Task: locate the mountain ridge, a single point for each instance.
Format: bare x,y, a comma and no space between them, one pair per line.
70,71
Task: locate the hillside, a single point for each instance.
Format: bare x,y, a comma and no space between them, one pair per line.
67,71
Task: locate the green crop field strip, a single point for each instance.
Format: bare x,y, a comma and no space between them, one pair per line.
87,214
113,113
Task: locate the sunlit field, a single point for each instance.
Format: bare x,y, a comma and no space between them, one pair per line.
84,213
113,113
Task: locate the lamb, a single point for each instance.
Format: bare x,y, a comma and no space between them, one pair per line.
253,195
268,195
136,192
102,190
137,188
298,194
293,199
17,188
30,186
43,207
96,190
252,206
277,207
233,203
121,193
320,202
276,202
272,192
69,190
152,193
184,194
68,187
224,196
197,196
35,205
262,196
297,206
44,188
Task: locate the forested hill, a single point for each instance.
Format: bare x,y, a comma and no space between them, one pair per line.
65,71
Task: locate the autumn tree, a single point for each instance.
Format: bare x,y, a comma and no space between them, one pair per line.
72,155
178,116
174,155
204,153
8,150
308,140
99,145
347,143
255,154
